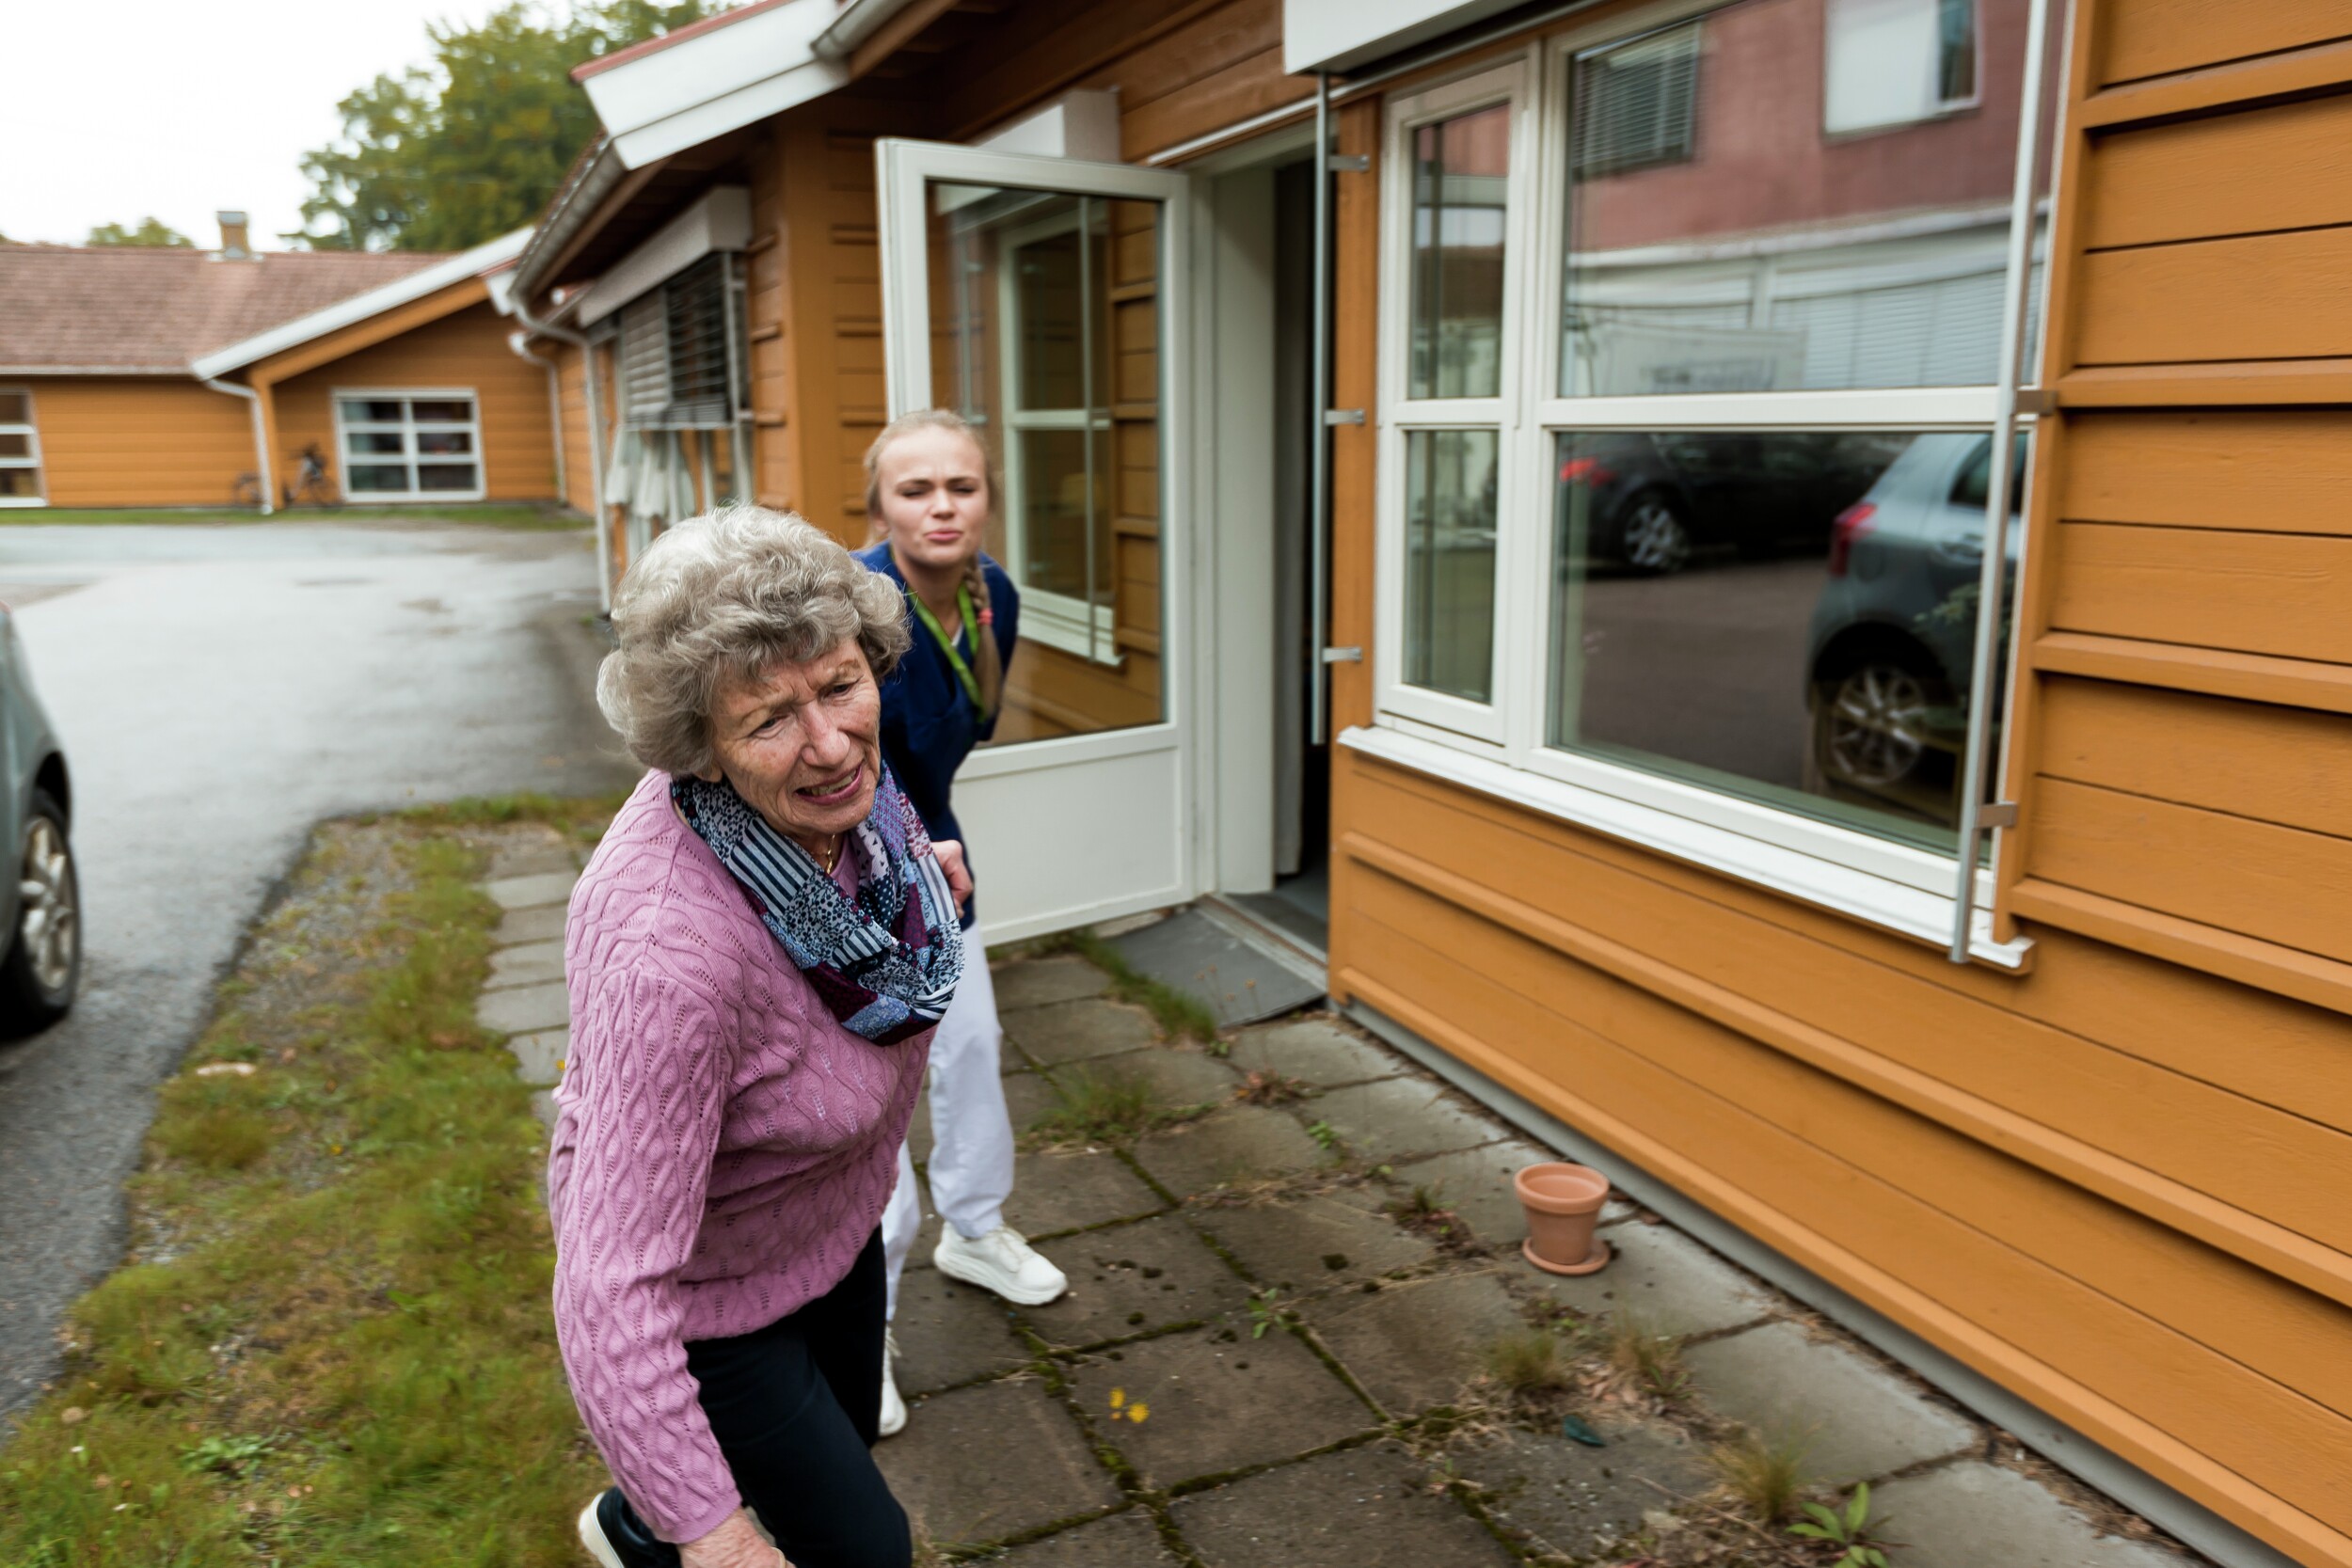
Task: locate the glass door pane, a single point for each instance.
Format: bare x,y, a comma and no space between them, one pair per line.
1045,320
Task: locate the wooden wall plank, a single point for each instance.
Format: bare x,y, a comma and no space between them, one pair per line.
2287,596
2150,38
2248,760
1247,87
2187,180
2264,297
2286,471
138,440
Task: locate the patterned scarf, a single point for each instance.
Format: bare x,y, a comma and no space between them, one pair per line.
885,962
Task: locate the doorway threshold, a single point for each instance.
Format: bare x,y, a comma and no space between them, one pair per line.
1275,927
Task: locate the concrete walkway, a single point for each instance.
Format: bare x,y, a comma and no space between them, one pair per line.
1275,1350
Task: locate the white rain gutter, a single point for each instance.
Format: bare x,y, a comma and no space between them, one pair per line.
859,21
596,429
266,479
520,340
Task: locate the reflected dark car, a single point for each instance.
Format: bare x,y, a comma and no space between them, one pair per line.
42,903
1651,500
1894,632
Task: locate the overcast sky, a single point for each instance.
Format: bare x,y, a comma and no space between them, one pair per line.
112,111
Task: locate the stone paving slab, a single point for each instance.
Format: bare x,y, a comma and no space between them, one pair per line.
1029,1095
1475,1183
1037,1469
1242,1143
540,1057
1174,1077
1414,1345
1128,1539
1054,1192
526,963
1075,1031
1215,1399
531,859
1314,1049
1316,1240
544,923
1359,1508
950,1333
1401,1117
524,893
1039,981
1672,1282
1574,1502
524,1009
1972,1514
1858,1418
1133,1278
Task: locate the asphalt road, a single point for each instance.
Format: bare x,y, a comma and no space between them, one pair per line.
219,691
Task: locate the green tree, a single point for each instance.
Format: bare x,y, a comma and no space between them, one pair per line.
450,154
150,230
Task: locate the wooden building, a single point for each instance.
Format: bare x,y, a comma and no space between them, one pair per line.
172,377
1669,604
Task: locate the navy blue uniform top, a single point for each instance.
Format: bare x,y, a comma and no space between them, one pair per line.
928,724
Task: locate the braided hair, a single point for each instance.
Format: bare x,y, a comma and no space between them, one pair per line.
988,664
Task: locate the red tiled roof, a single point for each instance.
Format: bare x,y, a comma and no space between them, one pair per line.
139,307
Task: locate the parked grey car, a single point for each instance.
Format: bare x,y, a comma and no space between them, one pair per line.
41,904
1894,632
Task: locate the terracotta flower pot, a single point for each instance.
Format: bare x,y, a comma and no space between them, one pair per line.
1563,1203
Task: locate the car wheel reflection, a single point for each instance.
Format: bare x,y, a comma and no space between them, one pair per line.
1655,540
1872,731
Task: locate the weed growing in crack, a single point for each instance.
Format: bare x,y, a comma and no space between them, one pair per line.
1527,1362
1106,1107
1647,1355
1266,1088
1763,1476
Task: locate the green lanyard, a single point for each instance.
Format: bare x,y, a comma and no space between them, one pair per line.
946,645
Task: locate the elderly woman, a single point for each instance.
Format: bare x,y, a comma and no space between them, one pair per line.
756,958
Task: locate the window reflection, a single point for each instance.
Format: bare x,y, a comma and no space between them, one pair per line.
1450,562
1787,616
1461,168
1751,210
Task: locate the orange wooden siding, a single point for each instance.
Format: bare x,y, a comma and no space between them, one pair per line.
139,441
2114,1183
465,350
571,370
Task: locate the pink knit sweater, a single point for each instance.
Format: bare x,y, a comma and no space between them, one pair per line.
722,1149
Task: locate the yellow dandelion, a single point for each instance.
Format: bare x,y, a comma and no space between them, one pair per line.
1118,1397
1137,1412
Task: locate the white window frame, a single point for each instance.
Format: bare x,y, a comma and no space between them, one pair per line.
1938,109
30,430
1501,749
407,427
1056,620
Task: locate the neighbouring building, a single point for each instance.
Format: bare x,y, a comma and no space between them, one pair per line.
1800,629
175,377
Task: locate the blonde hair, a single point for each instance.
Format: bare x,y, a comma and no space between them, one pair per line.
988,662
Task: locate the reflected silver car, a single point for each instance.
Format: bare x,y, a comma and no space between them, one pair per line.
41,907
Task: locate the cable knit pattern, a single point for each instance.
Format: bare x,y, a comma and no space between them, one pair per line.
722,1149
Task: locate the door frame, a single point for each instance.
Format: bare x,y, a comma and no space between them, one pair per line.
904,169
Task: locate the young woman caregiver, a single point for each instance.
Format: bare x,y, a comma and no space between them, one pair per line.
930,491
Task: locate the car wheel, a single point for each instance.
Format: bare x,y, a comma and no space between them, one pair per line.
43,966
1870,724
1654,537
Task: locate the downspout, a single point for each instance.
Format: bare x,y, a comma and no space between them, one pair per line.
595,437
519,341
266,481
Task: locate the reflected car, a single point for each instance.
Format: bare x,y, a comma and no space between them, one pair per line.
41,904
1652,500
1894,632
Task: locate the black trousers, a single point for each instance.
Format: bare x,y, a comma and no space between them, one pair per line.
794,1407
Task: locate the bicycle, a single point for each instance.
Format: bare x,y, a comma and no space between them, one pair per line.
312,487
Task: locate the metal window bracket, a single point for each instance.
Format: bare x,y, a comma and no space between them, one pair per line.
2036,401
1998,813
1348,162
1342,415
1343,656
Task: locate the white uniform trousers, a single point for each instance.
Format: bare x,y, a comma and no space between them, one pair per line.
971,1163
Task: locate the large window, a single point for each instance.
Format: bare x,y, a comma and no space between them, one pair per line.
20,450
407,445
1688,406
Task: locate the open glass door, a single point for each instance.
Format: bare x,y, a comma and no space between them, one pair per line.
1043,298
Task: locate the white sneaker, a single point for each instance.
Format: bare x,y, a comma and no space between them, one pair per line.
1002,1261
894,1409
592,1537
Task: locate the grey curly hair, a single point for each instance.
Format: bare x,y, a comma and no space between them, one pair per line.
719,599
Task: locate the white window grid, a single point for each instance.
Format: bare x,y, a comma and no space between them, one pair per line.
30,430
1501,747
408,427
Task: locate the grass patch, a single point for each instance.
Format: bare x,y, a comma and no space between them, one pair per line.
1179,1016
1764,1478
1647,1356
1106,1107
525,516
332,1343
582,818
1527,1362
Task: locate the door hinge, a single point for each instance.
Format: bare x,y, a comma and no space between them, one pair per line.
1343,656
1342,415
1348,162
1998,813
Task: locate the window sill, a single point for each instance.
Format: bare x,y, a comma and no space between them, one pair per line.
1783,867
24,501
